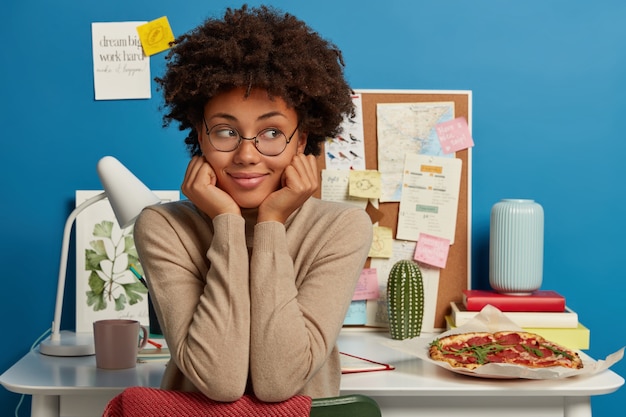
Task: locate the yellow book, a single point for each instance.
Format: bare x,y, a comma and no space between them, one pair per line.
573,338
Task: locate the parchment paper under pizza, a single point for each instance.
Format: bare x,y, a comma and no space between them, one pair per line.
491,321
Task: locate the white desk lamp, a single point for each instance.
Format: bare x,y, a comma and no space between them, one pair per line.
128,196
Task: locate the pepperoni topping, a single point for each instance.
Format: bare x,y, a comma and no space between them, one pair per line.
509,339
479,341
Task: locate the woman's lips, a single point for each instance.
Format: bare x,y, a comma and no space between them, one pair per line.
248,180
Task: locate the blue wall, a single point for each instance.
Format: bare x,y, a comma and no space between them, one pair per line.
548,81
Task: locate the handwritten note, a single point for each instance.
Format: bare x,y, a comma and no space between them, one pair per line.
121,69
430,196
454,135
335,184
432,250
382,242
357,313
367,286
155,36
365,183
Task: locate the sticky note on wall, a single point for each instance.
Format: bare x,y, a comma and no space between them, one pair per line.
364,184
432,250
155,36
454,135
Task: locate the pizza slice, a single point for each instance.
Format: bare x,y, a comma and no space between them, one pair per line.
471,350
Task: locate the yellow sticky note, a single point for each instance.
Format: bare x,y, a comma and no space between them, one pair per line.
155,36
364,184
382,243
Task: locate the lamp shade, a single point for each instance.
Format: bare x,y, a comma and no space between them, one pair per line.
126,193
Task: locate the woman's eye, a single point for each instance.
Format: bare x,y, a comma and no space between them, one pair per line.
270,134
224,132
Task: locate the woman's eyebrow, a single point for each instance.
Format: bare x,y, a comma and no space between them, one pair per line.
263,116
232,118
222,116
271,114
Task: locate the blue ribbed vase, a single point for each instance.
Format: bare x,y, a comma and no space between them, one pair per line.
516,246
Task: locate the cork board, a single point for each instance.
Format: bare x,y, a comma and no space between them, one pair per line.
455,277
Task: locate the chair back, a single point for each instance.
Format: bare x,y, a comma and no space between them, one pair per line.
155,402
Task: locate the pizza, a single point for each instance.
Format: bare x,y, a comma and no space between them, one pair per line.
472,350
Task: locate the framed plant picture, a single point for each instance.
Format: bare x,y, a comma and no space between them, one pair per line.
107,266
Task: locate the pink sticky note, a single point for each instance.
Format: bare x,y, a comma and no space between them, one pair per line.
367,287
454,135
432,250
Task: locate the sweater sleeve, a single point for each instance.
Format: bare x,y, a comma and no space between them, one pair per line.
201,299
299,299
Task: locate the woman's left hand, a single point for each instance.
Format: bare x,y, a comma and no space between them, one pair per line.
299,181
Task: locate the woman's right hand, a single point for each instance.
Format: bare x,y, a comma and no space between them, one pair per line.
200,187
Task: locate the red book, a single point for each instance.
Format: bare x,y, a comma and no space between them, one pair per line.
541,300
351,364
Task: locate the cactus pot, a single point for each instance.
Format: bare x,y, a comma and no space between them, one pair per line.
405,300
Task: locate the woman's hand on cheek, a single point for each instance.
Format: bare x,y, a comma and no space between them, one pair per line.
199,186
300,180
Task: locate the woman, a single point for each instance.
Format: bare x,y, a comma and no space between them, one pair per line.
252,276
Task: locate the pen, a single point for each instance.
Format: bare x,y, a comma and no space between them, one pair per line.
155,344
138,275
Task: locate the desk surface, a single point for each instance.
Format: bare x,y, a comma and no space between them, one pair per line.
39,374
415,377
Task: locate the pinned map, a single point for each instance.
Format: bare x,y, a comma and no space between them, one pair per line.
407,128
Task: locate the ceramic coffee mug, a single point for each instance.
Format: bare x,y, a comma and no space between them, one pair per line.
117,342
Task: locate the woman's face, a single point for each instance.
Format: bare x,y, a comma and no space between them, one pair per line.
245,174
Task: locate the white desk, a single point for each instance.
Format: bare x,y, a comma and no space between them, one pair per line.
72,387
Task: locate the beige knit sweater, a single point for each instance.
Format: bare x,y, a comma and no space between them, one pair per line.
249,307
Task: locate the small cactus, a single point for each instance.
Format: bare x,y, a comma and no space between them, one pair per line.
405,300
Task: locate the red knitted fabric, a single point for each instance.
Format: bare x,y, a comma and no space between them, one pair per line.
153,402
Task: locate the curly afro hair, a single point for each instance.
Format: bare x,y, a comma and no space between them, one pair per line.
257,48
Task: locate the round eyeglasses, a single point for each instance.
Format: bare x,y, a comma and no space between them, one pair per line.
269,142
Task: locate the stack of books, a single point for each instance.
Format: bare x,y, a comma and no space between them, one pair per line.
543,312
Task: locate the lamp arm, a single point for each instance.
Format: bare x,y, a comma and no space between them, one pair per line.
58,307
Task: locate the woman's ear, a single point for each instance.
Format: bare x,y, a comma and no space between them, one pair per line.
199,133
302,142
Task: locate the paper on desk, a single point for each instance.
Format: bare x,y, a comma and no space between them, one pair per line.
152,353
490,319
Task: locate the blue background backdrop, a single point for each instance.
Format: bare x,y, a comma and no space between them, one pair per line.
548,81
